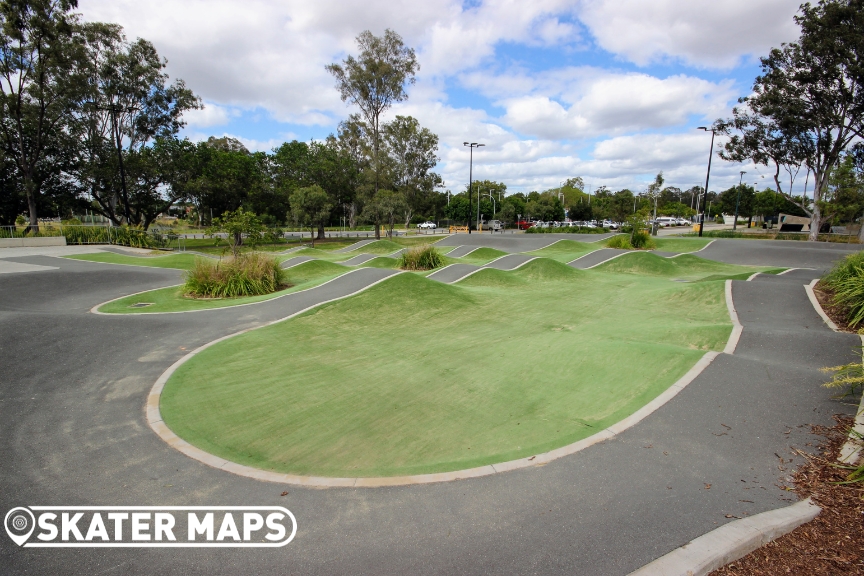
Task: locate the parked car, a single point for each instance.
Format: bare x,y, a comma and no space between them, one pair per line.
665,221
427,224
683,222
524,224
495,225
610,225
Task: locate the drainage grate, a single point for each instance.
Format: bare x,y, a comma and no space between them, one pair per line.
141,304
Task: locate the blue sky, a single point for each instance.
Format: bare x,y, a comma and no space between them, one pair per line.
610,90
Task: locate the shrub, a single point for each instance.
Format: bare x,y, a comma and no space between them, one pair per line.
422,257
620,241
243,275
641,240
846,283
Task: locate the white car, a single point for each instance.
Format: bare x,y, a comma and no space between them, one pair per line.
427,224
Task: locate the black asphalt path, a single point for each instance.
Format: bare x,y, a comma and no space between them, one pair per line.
356,245
291,262
460,251
597,257
516,242
452,273
359,259
509,262
782,253
73,432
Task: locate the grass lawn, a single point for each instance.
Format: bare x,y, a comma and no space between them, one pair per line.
413,376
681,244
171,299
178,261
684,267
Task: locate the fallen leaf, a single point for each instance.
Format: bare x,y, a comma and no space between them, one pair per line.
284,493
707,486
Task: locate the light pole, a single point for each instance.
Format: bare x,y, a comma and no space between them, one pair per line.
478,209
471,146
737,201
707,176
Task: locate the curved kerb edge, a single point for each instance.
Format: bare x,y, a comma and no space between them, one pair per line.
818,307
486,267
154,419
95,309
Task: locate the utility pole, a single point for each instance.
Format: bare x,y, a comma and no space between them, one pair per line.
707,177
471,146
737,201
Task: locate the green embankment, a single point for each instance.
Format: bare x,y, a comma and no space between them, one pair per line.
681,245
171,299
423,377
684,267
178,261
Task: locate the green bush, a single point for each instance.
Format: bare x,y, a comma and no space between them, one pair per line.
845,282
422,257
244,275
641,240
620,241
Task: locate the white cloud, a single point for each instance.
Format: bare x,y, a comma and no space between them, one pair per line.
210,115
698,32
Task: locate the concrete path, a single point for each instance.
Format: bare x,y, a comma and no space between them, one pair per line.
72,432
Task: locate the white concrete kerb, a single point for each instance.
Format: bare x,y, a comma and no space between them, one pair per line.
730,542
818,307
737,328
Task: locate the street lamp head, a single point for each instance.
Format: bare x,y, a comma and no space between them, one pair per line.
743,172
478,145
702,128
465,144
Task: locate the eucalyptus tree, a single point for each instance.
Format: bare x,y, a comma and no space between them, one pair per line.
129,105
40,88
412,156
807,105
374,81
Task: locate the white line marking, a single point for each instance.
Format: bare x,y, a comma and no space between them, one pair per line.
752,276
607,260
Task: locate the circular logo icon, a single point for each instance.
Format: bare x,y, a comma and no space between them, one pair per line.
19,523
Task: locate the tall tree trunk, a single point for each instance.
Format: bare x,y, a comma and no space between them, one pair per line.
320,231
32,207
819,185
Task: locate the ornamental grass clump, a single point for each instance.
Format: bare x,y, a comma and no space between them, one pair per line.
619,241
845,283
423,257
241,275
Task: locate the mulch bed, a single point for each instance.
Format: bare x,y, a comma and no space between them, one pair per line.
833,543
837,314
